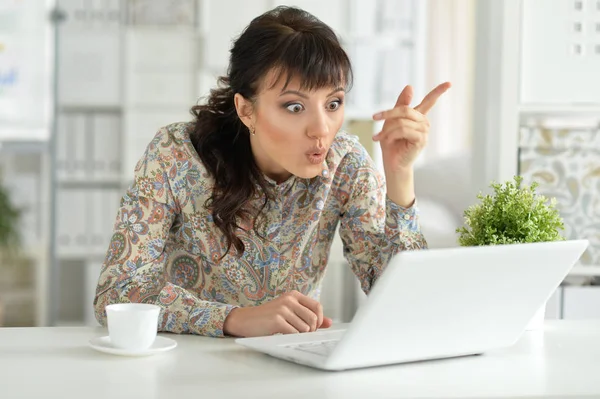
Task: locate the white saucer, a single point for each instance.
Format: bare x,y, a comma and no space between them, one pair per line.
161,344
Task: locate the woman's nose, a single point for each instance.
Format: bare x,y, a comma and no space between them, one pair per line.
319,127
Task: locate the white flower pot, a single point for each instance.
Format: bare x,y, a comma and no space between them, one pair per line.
537,321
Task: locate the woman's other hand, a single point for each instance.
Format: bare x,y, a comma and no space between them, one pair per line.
289,313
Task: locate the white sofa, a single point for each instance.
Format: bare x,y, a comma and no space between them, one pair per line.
444,191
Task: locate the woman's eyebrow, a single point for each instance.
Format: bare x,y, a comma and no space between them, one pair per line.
294,92
336,90
299,93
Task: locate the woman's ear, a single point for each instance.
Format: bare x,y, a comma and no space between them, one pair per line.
244,110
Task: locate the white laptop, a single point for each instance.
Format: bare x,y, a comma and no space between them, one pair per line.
437,303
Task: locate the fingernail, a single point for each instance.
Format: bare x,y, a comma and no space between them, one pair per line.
378,115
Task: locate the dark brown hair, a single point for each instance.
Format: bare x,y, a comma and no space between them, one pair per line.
290,42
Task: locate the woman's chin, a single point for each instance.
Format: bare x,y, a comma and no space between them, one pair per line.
308,173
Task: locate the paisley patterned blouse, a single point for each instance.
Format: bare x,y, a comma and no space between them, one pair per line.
166,250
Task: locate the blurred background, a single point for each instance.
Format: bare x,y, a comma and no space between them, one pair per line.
85,85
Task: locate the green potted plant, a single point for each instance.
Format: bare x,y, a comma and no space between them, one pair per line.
514,213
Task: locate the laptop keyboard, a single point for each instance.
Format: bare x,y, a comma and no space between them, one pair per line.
323,348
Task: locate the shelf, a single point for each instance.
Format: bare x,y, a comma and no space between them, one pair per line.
24,135
585,271
90,182
10,295
23,147
91,108
560,116
83,254
562,109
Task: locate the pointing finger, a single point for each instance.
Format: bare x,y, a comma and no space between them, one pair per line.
431,98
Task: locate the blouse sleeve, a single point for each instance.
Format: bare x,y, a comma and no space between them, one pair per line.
373,228
134,268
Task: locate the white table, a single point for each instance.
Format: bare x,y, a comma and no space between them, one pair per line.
561,360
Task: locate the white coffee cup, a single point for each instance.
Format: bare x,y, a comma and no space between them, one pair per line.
132,326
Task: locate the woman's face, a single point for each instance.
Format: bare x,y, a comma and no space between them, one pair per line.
293,128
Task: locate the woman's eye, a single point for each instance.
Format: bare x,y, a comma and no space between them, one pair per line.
332,106
295,108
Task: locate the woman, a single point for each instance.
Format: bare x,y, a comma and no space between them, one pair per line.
228,224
